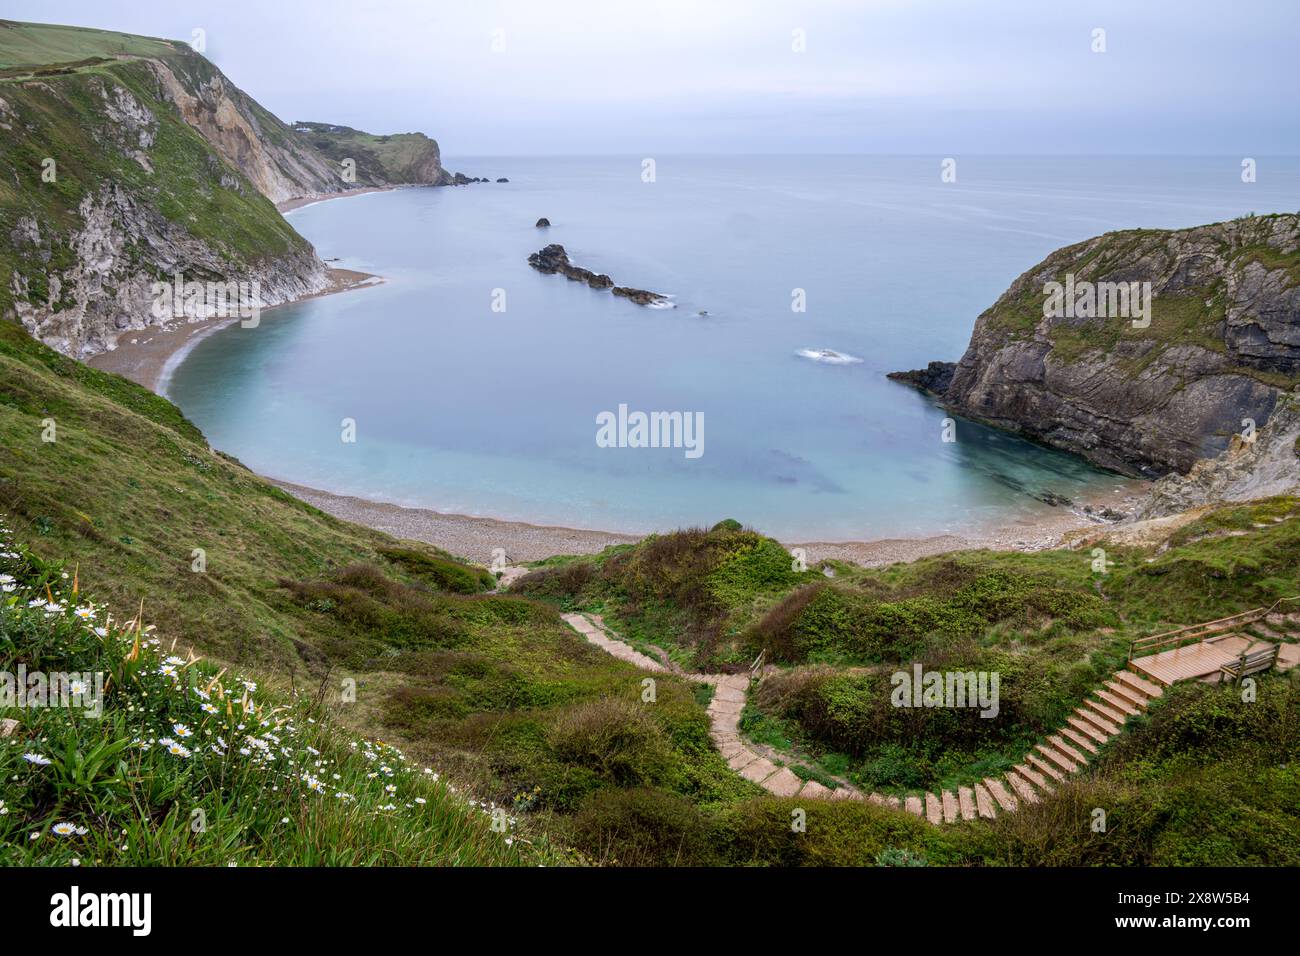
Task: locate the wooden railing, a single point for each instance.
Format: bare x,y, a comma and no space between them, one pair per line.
1141,646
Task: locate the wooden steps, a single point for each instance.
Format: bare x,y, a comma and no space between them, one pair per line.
1079,740
1022,789
1004,799
1081,725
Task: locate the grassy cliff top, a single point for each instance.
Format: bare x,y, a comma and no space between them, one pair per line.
25,46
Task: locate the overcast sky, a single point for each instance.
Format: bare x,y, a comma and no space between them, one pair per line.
665,76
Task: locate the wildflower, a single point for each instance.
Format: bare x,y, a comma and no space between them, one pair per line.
421,800
180,730
38,759
85,613
167,670
176,750
63,829
174,661
209,708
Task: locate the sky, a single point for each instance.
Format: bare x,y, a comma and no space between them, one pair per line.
646,77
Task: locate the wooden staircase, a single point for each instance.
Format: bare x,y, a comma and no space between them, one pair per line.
1051,761
1242,646
1227,649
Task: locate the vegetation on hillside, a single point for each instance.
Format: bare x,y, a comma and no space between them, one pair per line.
499,696
1049,624
129,753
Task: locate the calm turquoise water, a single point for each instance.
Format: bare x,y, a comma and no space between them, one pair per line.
464,409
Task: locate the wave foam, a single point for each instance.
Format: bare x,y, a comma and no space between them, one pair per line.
829,356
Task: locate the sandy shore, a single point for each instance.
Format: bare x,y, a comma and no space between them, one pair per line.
477,538
147,356
299,201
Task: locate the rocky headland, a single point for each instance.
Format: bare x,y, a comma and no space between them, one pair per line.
1203,372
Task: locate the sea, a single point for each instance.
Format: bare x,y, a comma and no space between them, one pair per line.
468,382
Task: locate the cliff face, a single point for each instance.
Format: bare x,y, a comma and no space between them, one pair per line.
1143,394
125,160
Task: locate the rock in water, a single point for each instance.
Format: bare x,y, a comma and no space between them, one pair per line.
639,296
543,223
503,180
553,260
934,378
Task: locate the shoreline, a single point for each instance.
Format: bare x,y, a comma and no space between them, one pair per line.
149,356
476,537
300,202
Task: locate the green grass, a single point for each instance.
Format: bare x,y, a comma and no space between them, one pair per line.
181,764
44,44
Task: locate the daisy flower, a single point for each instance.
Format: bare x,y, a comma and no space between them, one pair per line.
38,759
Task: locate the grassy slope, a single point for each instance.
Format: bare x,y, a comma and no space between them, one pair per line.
185,765
41,45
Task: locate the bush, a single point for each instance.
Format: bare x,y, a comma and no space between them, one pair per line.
442,572
614,739
643,827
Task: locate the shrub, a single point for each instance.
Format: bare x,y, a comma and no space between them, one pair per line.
643,827
442,572
615,739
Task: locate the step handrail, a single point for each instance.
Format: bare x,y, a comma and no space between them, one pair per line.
1145,645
